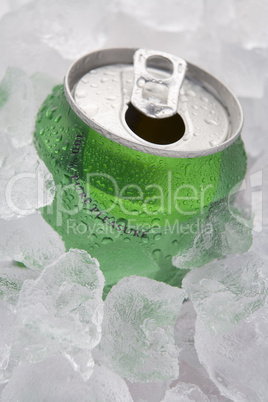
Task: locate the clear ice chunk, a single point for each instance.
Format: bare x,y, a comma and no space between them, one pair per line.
73,31
25,184
226,231
54,380
237,360
6,325
138,329
165,17
227,291
21,46
17,108
31,241
62,311
105,385
239,66
191,370
230,298
12,277
185,392
251,23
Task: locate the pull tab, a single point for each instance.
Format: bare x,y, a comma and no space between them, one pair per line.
156,93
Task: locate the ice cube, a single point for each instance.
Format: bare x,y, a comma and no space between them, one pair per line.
12,277
228,291
104,385
72,28
148,391
50,380
183,392
26,184
54,380
173,16
251,22
225,231
6,324
20,44
239,66
230,298
30,240
191,370
138,329
17,112
237,360
61,311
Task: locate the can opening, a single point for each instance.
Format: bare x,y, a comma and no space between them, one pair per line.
157,131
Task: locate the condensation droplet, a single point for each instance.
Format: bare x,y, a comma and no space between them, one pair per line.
213,143
157,236
104,79
91,110
107,240
80,94
141,81
111,98
211,122
156,252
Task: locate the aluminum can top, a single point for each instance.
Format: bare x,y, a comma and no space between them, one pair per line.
101,86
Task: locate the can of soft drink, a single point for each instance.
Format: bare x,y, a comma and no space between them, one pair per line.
139,142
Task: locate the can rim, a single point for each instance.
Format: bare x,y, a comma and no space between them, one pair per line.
109,56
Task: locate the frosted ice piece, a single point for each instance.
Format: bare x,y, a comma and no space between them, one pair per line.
50,380
107,386
82,26
228,291
237,361
173,16
251,22
25,184
255,110
12,277
6,147
20,44
30,240
54,380
221,13
191,370
225,231
17,111
185,392
42,86
138,329
62,311
244,70
6,323
148,391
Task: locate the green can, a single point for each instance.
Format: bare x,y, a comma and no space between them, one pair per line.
139,143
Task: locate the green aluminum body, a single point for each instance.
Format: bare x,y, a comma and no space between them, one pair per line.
131,210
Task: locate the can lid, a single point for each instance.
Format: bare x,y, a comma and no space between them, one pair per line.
102,87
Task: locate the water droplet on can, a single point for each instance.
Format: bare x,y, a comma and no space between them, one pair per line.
211,122
141,81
